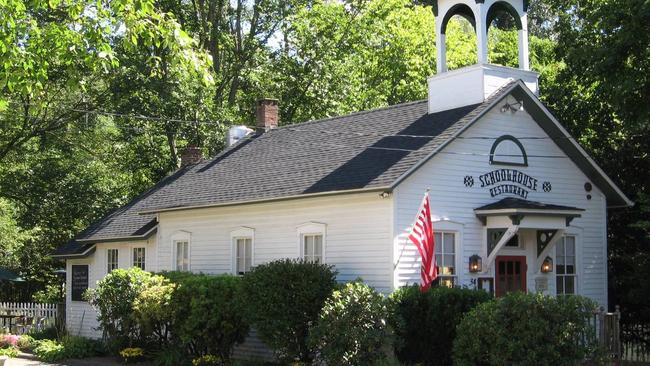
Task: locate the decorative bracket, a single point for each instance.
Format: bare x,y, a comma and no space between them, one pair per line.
544,237
507,235
516,219
549,246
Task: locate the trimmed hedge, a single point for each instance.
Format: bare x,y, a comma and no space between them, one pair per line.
352,329
283,298
425,323
525,329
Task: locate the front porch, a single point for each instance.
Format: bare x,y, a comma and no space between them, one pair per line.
529,246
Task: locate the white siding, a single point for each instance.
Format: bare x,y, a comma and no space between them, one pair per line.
357,240
451,200
81,318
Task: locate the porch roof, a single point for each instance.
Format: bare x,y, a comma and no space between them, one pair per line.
516,208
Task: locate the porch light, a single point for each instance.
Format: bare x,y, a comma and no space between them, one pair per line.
475,263
547,265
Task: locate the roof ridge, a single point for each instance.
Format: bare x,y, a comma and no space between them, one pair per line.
352,114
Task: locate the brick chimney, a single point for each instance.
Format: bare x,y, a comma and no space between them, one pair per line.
191,155
267,114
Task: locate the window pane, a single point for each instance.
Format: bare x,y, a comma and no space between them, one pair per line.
249,248
570,269
570,245
437,237
559,283
318,246
569,287
439,260
449,246
559,250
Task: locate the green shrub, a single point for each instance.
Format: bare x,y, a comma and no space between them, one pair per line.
80,347
49,351
51,294
283,298
10,352
25,342
525,329
425,323
68,347
207,314
152,310
207,360
171,356
44,333
352,328
113,299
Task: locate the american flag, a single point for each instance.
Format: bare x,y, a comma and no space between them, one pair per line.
422,236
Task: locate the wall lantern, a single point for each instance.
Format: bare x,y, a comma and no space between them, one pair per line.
475,263
547,265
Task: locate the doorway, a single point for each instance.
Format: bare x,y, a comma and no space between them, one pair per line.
510,274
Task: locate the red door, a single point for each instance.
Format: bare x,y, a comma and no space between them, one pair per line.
510,274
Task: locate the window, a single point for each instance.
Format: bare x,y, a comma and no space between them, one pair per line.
446,258
312,248
182,255
111,260
565,267
138,257
244,255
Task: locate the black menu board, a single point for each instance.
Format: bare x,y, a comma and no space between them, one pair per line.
79,282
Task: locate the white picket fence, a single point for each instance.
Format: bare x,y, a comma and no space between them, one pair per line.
38,315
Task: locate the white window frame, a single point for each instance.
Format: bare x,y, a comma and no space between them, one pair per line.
181,236
576,275
144,257
312,228
460,262
242,232
108,259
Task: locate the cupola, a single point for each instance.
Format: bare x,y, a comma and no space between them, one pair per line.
472,84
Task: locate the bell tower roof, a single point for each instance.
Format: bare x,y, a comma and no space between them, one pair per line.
473,84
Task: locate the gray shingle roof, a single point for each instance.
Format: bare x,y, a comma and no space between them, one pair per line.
364,150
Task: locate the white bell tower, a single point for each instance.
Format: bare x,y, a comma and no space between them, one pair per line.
472,84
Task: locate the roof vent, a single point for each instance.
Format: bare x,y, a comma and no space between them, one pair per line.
236,133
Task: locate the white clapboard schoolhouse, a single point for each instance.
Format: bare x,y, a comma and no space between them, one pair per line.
516,203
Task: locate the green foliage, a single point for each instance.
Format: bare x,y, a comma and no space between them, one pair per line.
114,298
44,333
283,298
207,314
352,327
10,352
171,356
49,350
52,294
152,309
25,342
425,323
526,329
207,360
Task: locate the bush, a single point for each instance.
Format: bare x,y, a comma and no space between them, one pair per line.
25,342
44,333
152,310
49,351
171,357
208,315
525,329
10,352
352,329
207,360
52,294
425,323
69,347
283,298
113,298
